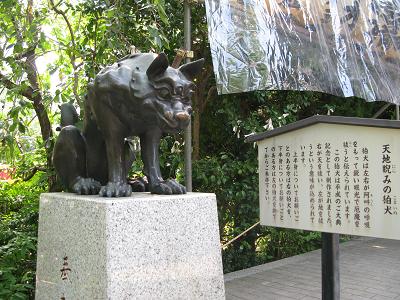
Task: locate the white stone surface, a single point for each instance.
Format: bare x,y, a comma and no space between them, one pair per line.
141,247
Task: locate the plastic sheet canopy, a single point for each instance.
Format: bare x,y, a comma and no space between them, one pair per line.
341,47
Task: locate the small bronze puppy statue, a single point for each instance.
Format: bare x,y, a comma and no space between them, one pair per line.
139,95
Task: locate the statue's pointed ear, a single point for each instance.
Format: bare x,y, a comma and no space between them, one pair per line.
158,66
190,70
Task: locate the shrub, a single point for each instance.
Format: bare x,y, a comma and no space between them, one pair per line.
18,236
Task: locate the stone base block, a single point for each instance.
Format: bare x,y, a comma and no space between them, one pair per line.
141,247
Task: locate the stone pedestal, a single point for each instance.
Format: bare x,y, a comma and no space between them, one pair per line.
141,247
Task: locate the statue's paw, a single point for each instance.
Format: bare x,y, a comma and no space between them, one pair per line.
86,186
168,187
140,185
115,189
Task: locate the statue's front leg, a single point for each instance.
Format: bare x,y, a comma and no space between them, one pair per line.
117,185
150,142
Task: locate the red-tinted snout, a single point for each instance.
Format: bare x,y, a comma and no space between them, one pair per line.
182,116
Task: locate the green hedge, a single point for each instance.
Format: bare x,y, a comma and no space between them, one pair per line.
18,237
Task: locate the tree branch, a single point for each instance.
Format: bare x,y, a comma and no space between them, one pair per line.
211,93
33,172
72,56
20,39
64,16
30,51
8,84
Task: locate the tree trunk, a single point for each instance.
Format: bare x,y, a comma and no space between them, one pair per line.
37,99
201,98
196,133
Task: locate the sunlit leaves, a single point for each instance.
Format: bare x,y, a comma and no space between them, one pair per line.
160,5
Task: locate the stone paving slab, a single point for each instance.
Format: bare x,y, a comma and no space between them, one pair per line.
369,269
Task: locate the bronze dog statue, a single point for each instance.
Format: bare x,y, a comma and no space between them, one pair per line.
140,95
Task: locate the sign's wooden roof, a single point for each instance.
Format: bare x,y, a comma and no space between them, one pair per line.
324,119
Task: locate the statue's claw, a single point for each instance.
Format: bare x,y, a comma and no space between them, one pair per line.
115,189
167,187
139,185
86,186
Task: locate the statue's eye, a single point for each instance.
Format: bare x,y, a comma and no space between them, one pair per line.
164,93
190,94
179,91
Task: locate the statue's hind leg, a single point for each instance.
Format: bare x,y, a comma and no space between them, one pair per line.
69,158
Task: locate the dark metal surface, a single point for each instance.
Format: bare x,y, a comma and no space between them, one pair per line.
330,266
139,95
394,124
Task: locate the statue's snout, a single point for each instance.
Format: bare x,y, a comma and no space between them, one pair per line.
182,116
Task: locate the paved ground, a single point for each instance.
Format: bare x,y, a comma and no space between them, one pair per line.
369,269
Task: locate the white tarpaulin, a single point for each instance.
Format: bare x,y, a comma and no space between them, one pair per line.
341,47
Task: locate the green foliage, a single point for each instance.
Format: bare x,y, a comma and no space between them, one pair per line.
18,235
235,182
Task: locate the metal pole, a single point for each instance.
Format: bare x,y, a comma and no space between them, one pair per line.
188,131
397,112
330,266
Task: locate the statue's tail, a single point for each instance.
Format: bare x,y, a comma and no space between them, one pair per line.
69,116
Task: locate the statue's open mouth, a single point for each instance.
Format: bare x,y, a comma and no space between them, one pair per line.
176,121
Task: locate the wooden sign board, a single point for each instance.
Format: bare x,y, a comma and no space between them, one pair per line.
332,174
